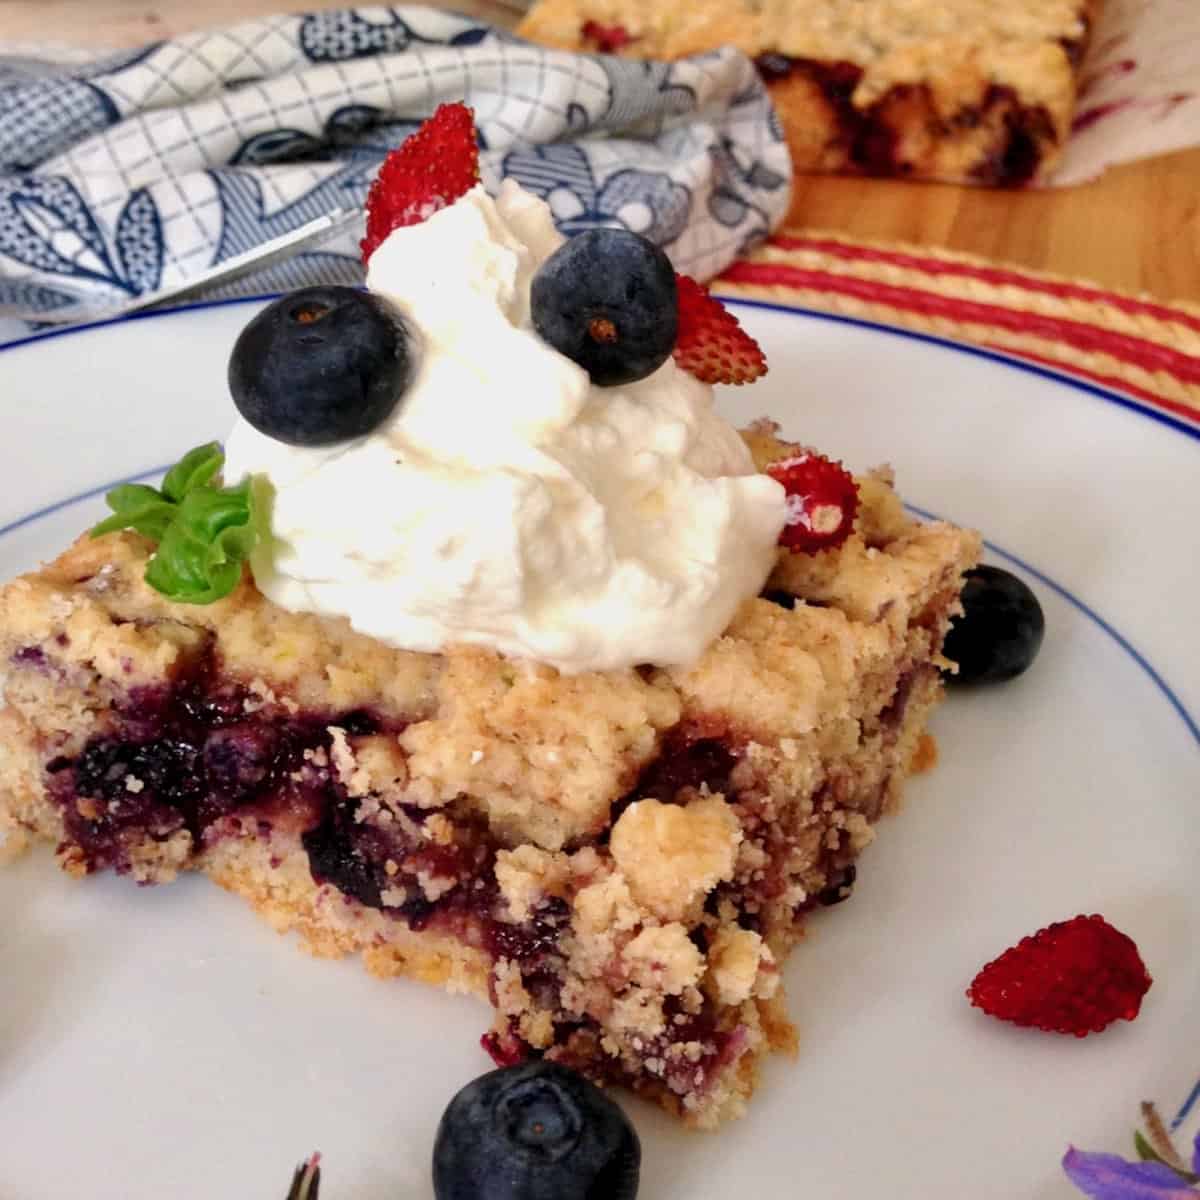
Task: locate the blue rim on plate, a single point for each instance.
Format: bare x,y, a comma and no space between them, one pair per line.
1179,424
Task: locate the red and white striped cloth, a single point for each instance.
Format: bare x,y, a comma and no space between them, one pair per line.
1143,347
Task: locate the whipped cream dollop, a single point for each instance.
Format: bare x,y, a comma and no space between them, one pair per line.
507,502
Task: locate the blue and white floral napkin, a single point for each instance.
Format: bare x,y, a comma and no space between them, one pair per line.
137,171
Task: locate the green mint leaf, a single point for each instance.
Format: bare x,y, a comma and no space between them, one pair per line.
200,556
1145,1151
231,524
204,532
136,506
182,575
195,469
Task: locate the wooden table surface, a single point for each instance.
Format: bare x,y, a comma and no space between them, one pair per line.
1136,228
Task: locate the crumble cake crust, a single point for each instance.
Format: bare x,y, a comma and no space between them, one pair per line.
961,90
277,882
618,862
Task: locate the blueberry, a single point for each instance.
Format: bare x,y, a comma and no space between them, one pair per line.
839,888
535,1132
321,365
606,299
336,857
1000,633
776,596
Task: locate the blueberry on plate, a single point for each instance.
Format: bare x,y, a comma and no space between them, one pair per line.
535,1132
321,365
606,299
1000,631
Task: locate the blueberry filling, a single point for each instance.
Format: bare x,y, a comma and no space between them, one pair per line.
840,887
381,865
687,760
337,858
182,757
871,143
202,751
30,656
530,943
1026,129
186,756
710,1048
775,596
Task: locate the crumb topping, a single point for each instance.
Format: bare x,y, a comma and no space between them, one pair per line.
547,752
528,875
740,965
673,855
663,958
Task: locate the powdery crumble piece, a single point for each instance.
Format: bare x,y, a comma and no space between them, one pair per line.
606,907
372,765
663,958
740,965
672,856
526,876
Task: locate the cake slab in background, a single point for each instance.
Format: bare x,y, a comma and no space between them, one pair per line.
964,92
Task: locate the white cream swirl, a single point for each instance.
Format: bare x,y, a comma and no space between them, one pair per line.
508,503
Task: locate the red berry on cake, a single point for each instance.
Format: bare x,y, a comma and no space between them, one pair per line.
430,170
822,502
711,344
1076,976
607,39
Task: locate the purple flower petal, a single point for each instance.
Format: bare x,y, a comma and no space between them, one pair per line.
1107,1177
1196,1155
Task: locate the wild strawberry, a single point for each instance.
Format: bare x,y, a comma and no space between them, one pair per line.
1075,976
822,502
428,171
608,39
711,344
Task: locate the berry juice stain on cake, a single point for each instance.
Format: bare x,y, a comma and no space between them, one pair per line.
184,757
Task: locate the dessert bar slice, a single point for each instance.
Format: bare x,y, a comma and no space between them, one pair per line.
618,861
961,90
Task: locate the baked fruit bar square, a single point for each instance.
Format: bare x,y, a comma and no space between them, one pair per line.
966,91
618,861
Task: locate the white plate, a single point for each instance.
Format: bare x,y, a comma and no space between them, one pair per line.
166,1044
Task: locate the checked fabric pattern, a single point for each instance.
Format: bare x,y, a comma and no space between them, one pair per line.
136,171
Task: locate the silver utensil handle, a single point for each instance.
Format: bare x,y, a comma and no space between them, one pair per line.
257,258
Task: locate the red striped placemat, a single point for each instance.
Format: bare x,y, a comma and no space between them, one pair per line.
1141,346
